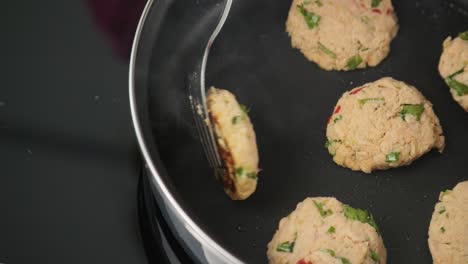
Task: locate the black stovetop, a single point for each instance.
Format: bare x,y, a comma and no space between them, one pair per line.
69,161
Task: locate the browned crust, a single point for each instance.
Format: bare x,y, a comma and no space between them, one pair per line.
228,179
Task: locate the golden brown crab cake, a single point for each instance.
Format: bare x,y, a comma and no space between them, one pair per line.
342,35
381,125
236,142
322,230
448,231
453,67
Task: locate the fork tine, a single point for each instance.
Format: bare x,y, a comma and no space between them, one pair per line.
204,141
213,147
201,127
210,148
212,141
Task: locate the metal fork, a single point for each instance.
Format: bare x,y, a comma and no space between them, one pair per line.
197,95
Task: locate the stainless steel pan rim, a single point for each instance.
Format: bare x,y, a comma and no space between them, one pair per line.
210,247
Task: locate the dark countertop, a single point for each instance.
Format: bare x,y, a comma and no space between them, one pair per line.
68,157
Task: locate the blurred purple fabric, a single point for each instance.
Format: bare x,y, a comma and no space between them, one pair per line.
118,19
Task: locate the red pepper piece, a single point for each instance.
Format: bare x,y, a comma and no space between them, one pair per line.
389,11
338,109
375,10
302,261
355,91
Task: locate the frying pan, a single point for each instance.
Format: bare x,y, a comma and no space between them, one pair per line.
291,100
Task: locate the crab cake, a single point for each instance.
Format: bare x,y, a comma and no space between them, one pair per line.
342,35
448,231
236,142
382,125
453,67
323,230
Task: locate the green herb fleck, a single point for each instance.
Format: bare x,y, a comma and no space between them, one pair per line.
460,88
306,2
239,171
374,256
375,3
456,73
345,260
338,118
446,192
244,108
323,212
285,247
393,156
329,143
354,62
319,2
365,49
252,175
463,35
325,50
365,20
312,20
235,119
331,230
365,100
442,210
442,229
331,252
411,109
360,215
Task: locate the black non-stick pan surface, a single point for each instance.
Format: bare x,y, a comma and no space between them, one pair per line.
290,100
